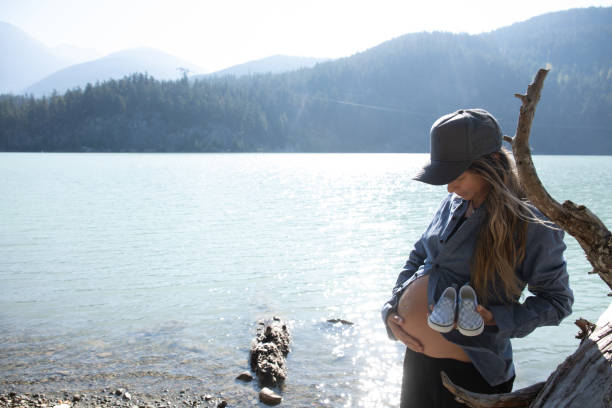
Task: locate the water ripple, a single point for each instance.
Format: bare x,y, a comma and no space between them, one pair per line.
154,269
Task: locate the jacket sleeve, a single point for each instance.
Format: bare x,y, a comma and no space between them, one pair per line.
415,260
545,273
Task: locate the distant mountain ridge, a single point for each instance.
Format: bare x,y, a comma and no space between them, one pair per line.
381,100
273,65
39,70
579,37
158,64
31,67
24,59
385,98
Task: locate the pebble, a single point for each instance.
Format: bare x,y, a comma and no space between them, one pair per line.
111,397
245,376
269,397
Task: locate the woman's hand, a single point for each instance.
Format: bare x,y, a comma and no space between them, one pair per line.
487,316
395,324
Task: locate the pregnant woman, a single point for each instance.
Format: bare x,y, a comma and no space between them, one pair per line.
485,235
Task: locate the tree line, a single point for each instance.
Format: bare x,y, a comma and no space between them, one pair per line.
383,99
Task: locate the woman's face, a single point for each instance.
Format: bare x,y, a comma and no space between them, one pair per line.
469,186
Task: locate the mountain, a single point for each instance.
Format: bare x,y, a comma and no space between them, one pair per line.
387,97
25,59
575,113
381,100
158,64
576,38
273,65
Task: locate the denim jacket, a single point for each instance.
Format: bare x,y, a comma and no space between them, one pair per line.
447,260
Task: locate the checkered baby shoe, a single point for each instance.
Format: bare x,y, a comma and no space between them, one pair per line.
469,321
442,317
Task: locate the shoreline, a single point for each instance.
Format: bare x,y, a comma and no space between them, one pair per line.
112,397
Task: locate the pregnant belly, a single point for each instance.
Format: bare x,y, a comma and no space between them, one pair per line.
413,309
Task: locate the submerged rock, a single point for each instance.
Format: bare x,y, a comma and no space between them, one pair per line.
245,376
342,321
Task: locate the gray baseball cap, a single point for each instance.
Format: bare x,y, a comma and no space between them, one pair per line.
457,139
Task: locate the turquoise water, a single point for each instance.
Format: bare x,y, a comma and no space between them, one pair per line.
152,270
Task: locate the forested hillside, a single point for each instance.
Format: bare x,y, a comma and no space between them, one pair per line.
113,66
274,64
383,99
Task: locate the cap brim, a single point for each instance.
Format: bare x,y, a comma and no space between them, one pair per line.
438,173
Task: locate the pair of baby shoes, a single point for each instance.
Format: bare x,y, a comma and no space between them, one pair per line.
469,321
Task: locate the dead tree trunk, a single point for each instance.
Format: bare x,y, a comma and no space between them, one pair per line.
592,235
585,378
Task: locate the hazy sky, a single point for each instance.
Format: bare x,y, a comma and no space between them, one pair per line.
215,34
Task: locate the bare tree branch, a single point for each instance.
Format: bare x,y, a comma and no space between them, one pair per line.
592,235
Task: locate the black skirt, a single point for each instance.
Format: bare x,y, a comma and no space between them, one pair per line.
422,385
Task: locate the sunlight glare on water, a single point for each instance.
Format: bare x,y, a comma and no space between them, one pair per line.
153,270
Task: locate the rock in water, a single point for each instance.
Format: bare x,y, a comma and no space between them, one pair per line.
269,397
245,376
342,321
268,351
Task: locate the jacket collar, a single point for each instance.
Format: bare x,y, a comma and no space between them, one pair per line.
459,206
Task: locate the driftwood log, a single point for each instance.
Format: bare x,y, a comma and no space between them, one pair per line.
268,351
517,399
584,379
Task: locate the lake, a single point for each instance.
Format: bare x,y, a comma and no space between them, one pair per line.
152,270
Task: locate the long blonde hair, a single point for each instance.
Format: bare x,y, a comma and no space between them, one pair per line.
500,246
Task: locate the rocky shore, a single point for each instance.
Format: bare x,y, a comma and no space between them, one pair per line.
110,397
267,361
